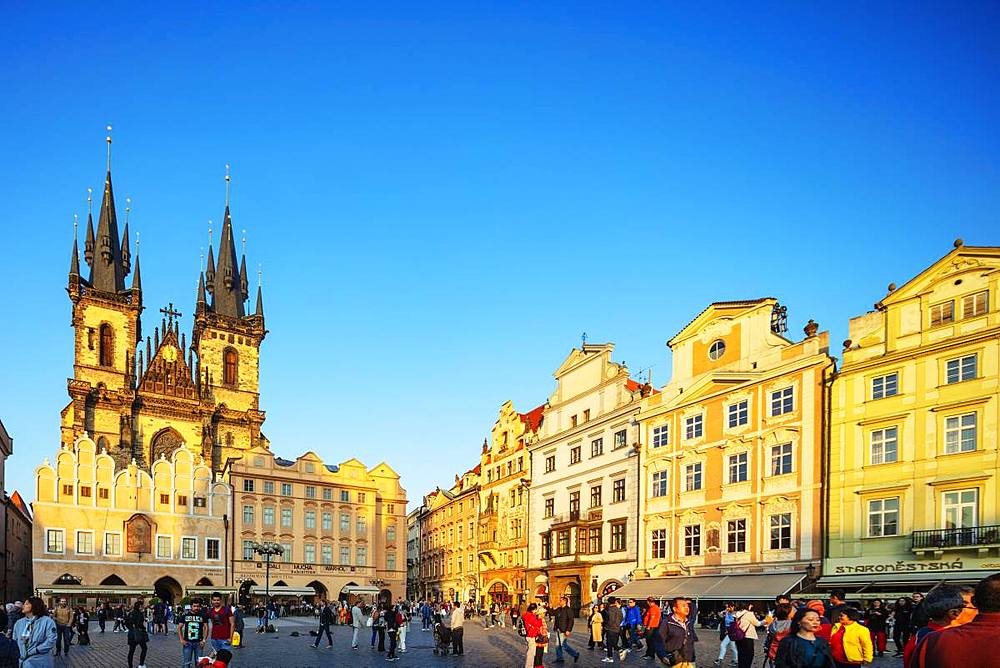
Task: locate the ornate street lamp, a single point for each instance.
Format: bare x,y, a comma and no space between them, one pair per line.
268,549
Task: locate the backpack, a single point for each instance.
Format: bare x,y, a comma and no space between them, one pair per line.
521,631
772,649
735,631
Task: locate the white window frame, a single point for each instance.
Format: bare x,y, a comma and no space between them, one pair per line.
690,475
156,545
881,386
120,545
958,429
780,457
880,438
985,294
659,484
738,414
263,516
309,518
778,399
341,555
194,541
657,538
959,505
76,542
692,424
771,528
208,553
362,555
882,512
716,350
733,463
660,435
684,533
941,317
961,368
62,532
737,532
306,548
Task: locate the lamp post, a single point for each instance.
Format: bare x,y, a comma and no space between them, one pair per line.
268,549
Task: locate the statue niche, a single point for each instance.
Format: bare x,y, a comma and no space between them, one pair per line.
164,443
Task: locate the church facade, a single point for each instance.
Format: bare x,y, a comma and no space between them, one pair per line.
153,418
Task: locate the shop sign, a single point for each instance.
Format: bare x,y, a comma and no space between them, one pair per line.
868,566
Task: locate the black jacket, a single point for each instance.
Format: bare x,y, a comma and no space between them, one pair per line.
564,619
677,638
791,655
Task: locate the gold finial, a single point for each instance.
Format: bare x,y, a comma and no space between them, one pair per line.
128,208
228,179
109,148
90,201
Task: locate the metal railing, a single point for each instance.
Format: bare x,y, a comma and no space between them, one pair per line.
949,538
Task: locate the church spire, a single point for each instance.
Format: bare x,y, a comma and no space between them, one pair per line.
126,253
260,303
202,302
107,271
210,269
136,279
88,243
227,296
74,263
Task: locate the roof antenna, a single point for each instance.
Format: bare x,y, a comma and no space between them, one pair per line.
109,148
227,184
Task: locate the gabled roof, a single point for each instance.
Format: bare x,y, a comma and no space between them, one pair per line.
533,419
708,313
578,355
16,499
959,260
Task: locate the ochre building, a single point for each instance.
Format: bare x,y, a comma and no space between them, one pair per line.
505,470
449,559
914,466
342,528
733,458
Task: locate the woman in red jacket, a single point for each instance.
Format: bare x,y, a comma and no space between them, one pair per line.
537,636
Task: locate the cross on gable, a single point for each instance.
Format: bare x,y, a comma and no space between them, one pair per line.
170,312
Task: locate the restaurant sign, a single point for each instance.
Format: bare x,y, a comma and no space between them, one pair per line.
877,566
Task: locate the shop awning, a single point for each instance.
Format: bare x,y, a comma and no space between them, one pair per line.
204,589
899,581
283,590
95,590
359,589
745,587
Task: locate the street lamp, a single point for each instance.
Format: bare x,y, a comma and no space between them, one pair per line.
268,549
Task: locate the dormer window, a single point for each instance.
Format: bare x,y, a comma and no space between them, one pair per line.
942,313
977,304
717,350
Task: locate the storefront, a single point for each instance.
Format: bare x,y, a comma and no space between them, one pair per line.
883,578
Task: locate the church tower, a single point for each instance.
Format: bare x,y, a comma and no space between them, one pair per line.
226,339
107,329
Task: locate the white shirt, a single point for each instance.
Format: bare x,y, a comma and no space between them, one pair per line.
457,617
748,622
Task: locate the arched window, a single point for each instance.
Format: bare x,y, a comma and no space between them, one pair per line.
106,349
230,362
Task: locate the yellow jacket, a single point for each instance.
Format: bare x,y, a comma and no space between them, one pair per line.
857,642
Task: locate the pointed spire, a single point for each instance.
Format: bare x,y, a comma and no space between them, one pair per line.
202,302
136,279
210,267
74,262
260,303
107,273
227,296
88,243
244,290
126,252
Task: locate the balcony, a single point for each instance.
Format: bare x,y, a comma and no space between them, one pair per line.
939,540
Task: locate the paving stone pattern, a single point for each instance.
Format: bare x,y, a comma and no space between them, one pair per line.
484,648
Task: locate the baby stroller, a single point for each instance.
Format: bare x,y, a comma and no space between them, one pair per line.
442,639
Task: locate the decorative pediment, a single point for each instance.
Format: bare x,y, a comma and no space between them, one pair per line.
166,371
718,317
961,260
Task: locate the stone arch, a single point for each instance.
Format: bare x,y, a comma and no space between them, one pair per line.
113,581
322,594
67,579
164,442
204,582
385,596
168,590
244,592
280,583
344,596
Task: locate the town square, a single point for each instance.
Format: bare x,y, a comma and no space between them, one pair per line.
316,320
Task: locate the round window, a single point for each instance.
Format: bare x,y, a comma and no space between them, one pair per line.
717,349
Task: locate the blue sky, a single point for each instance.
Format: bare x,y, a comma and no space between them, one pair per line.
443,198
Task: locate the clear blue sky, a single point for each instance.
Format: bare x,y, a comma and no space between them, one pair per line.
444,197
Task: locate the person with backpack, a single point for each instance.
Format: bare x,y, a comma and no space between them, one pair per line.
743,632
325,621
404,625
391,616
673,639
613,620
138,636
780,627
725,642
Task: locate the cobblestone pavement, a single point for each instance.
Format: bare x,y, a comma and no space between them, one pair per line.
484,648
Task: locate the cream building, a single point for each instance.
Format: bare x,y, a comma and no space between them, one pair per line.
413,587
449,545
342,528
913,448
583,501
107,531
733,458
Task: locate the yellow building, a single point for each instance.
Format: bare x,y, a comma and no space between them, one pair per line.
913,472
104,531
342,528
503,501
449,546
732,458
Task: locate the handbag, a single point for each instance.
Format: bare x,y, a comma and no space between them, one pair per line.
369,622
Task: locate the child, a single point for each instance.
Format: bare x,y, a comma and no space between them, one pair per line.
222,659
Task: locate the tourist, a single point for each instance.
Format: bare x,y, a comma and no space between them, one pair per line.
159,611
138,635
536,636
391,617
901,614
851,642
971,645
651,622
744,632
378,626
838,601
81,622
777,630
457,628
946,606
119,619
103,613
673,639
35,633
563,617
804,649
192,630
326,617
223,623
876,617
404,626
613,620
63,617
824,622
725,642
596,625
630,628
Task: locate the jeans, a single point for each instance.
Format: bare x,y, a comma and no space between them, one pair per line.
189,653
563,646
392,644
456,640
725,644
131,653
219,643
611,642
323,628
354,637
63,635
403,630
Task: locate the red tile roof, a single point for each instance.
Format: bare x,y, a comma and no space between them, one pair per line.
533,418
634,386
